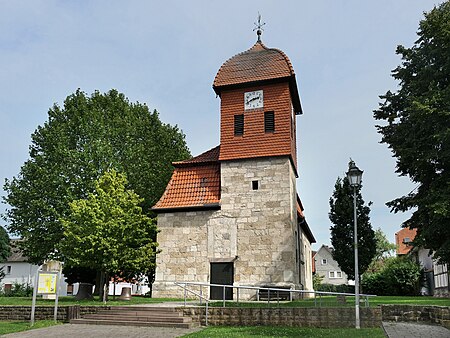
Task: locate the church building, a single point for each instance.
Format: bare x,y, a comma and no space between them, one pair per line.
232,215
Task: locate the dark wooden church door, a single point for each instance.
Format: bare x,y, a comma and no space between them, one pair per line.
221,273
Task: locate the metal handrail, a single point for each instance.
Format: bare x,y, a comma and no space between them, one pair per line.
199,295
268,289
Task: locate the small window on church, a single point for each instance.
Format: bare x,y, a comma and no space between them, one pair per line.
269,122
203,182
255,185
239,125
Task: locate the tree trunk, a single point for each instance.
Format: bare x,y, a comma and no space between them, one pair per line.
105,287
151,280
98,291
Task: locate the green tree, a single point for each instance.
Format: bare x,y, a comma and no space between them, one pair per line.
107,230
5,249
342,232
384,251
384,248
317,281
417,130
78,143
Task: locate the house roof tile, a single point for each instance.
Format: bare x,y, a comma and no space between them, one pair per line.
195,183
211,155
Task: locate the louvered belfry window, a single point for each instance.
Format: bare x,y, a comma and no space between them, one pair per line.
269,121
238,125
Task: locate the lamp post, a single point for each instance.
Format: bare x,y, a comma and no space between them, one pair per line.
354,176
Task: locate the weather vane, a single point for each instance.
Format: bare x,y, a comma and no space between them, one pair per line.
258,27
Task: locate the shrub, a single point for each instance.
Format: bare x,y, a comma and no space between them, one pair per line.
342,288
317,281
19,290
374,283
399,277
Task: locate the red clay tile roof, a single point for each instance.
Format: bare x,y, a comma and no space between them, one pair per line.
195,183
259,63
211,155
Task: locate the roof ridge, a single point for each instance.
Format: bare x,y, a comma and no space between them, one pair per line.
211,155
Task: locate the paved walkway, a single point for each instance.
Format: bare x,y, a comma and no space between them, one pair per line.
101,331
392,330
413,330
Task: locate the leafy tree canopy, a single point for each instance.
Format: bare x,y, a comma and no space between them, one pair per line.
107,230
5,248
342,232
384,248
417,130
384,251
80,141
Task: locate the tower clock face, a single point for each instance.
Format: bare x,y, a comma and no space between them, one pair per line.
253,100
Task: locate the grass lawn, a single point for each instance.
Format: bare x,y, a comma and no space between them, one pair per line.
70,300
326,301
11,327
281,332
330,301
419,300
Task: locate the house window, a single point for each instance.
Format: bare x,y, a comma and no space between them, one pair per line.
8,269
269,122
239,125
324,261
255,185
406,240
335,274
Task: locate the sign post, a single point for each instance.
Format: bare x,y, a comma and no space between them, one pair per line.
46,283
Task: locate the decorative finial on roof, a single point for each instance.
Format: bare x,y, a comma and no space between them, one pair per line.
258,27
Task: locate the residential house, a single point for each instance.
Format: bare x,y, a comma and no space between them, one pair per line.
19,271
436,277
327,267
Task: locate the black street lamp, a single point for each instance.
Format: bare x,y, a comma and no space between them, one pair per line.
354,176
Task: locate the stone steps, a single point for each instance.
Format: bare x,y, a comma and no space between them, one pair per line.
137,316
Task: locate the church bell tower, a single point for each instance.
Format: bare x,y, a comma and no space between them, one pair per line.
231,215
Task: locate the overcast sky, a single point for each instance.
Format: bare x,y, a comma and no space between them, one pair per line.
167,53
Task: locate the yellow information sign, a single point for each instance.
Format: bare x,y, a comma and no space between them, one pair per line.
47,283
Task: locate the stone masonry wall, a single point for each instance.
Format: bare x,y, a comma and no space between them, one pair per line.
300,317
65,313
417,313
265,219
254,229
183,240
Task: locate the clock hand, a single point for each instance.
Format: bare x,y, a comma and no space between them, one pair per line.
252,99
